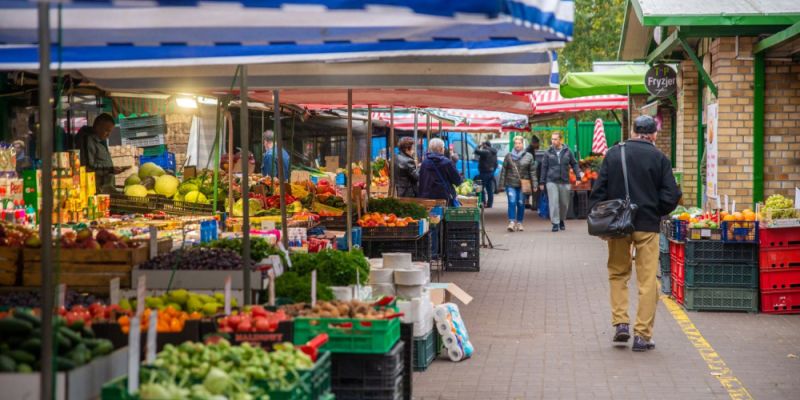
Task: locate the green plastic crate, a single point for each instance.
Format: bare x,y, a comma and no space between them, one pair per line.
349,335
155,150
116,389
426,348
298,391
720,299
729,275
318,378
464,214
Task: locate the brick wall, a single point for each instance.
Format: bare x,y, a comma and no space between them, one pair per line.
734,80
664,140
782,128
687,130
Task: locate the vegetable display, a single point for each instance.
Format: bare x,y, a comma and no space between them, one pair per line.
256,320
221,371
21,343
290,285
393,206
334,268
339,309
182,300
259,248
33,299
197,258
13,235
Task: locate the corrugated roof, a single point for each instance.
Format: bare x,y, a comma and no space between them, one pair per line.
716,12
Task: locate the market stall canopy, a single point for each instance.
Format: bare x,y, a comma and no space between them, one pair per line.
456,120
701,19
551,101
618,81
412,98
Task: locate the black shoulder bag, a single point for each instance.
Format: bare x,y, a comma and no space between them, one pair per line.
613,219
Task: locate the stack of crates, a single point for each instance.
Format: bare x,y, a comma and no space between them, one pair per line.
148,133
663,258
369,376
462,234
719,275
779,263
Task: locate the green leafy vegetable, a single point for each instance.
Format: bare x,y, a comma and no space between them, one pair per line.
391,205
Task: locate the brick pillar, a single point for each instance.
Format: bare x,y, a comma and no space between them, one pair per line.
664,140
734,80
687,130
782,128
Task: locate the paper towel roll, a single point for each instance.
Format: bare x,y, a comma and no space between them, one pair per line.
376,262
455,353
381,276
410,277
383,289
343,293
397,260
409,292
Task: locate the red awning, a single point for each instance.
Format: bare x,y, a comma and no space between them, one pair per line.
551,102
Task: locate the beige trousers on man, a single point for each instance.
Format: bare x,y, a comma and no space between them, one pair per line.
619,273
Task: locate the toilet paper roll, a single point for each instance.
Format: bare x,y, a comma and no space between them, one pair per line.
397,260
443,328
381,276
410,277
409,292
440,313
455,354
376,263
383,289
449,340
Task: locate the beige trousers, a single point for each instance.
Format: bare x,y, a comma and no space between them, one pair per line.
619,273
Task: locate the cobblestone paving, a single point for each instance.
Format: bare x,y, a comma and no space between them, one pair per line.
540,327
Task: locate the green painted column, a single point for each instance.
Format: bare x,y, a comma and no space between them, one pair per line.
758,127
701,140
673,145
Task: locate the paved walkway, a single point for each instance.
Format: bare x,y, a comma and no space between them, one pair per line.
540,327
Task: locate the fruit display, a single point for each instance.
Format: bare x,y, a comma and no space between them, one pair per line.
86,315
168,320
182,300
340,309
21,344
222,371
260,248
779,207
153,180
257,319
85,238
745,215
376,219
592,163
32,299
707,221
588,175
14,235
195,258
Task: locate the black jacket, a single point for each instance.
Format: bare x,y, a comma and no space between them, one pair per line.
487,159
433,185
406,176
652,185
555,167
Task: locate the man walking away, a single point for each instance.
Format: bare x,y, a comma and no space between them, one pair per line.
555,177
653,189
269,164
487,164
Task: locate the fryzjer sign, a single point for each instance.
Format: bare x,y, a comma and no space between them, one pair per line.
661,80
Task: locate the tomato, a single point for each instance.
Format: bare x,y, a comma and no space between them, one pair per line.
258,311
244,326
263,325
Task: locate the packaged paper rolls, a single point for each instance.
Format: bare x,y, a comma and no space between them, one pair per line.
453,331
377,275
410,277
409,292
397,261
343,293
382,289
376,263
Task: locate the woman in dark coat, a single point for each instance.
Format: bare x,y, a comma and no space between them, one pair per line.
406,173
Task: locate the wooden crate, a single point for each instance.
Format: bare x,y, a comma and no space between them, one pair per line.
9,265
427,203
86,268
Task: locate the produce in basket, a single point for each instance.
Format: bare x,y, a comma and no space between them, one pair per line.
334,268
195,304
401,209
388,220
779,207
256,320
340,309
197,258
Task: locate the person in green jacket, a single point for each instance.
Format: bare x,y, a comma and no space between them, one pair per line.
95,155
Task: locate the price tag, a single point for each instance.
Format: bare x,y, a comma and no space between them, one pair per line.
141,289
733,207
133,356
113,291
271,275
706,233
62,295
267,225
153,242
150,348
726,203
228,295
313,288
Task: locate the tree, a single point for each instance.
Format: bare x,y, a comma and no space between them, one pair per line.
596,36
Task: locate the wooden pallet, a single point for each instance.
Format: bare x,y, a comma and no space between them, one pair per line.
85,268
9,265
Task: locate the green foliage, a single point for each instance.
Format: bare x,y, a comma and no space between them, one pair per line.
292,286
596,36
334,267
391,205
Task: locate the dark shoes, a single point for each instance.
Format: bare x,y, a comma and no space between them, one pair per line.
640,344
561,226
622,334
555,227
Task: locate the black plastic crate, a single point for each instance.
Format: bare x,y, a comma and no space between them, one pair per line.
663,260
578,205
462,249
392,392
364,372
336,223
462,226
391,232
462,265
407,337
707,251
420,249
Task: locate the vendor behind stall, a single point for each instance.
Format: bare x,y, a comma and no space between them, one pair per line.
95,155
269,164
438,174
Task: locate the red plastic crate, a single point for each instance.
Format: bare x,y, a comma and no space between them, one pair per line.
678,270
677,291
779,237
780,279
779,257
677,251
780,302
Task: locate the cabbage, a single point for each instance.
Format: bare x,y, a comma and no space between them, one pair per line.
136,191
166,185
238,207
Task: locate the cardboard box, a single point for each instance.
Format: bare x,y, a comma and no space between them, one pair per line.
445,292
331,163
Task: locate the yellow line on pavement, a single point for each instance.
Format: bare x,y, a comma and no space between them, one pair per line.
715,363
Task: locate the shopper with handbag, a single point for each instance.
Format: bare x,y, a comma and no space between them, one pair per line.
518,177
438,175
634,190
